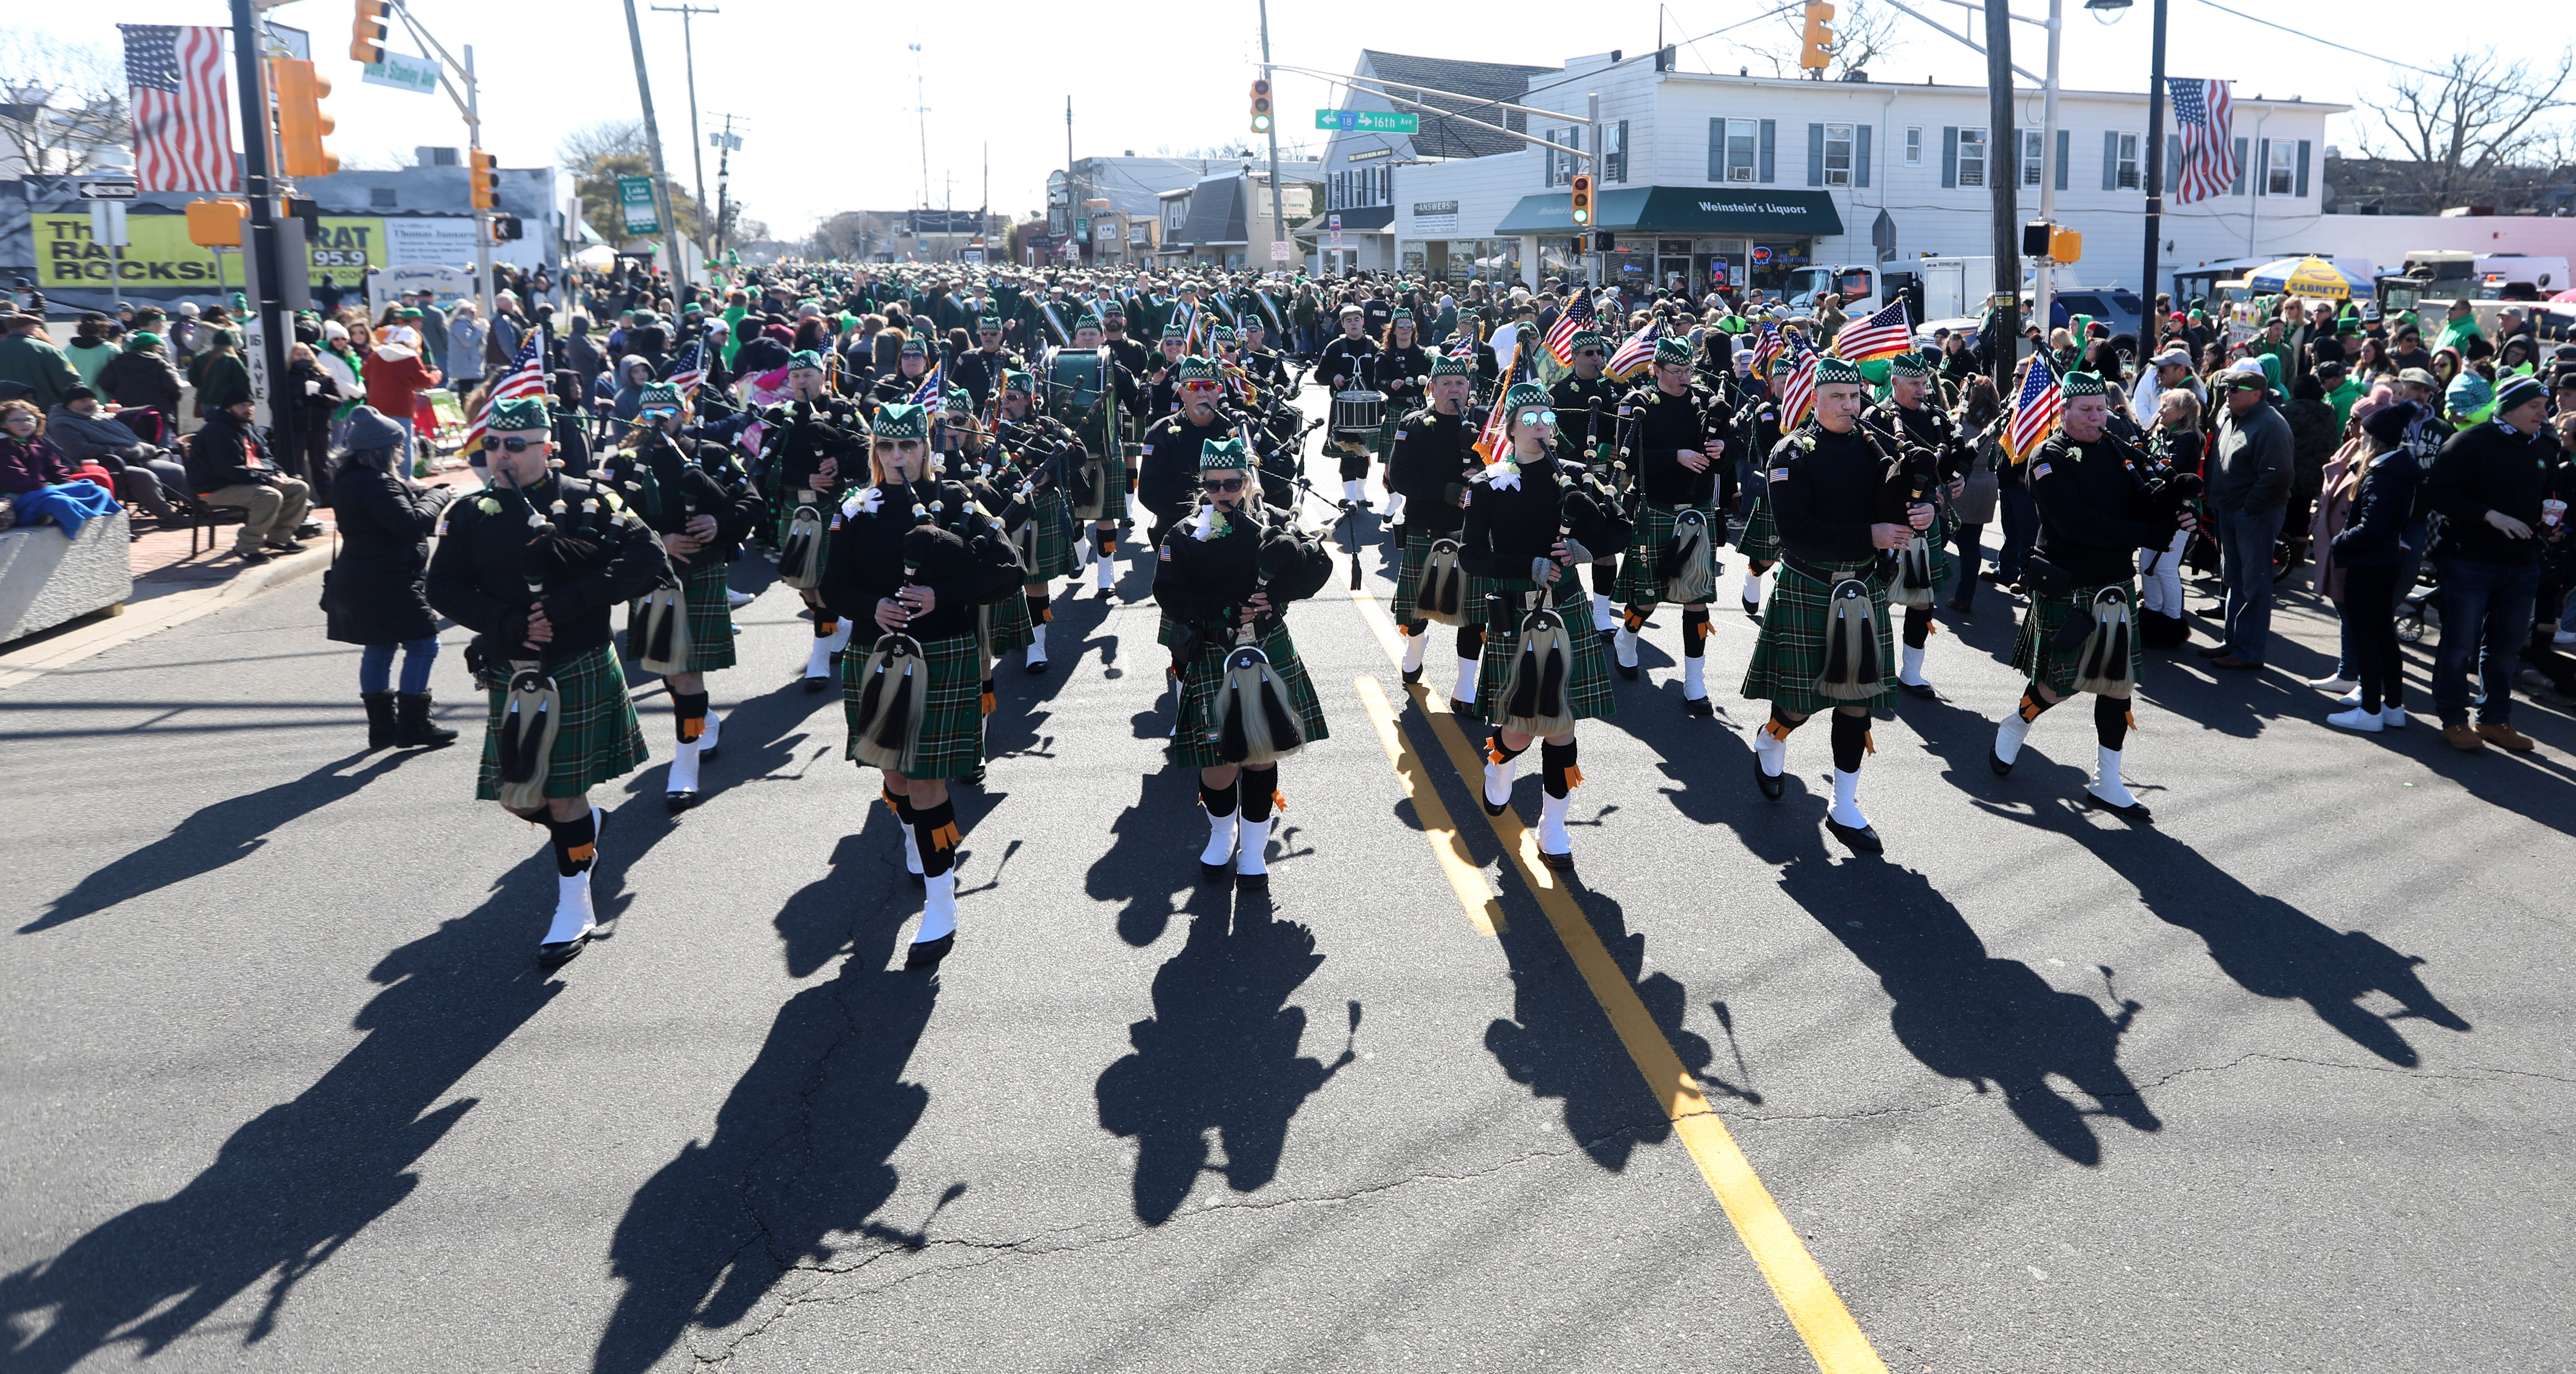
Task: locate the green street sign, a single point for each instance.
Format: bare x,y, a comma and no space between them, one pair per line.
1368,121
1082,227
635,198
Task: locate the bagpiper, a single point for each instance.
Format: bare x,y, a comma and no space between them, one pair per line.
1223,577
1167,471
1043,449
1938,458
912,557
1840,502
962,451
2080,631
1123,391
683,629
1433,460
814,452
1759,428
531,565
1528,519
1587,415
1675,430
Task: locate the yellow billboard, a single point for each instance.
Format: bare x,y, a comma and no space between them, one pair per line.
161,257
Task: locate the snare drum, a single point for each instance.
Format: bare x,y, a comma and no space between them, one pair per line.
1357,414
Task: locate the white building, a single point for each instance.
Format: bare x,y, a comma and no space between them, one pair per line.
1734,181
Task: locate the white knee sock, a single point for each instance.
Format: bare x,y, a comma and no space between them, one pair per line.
2106,778
1752,585
684,767
1351,492
1221,833
1037,644
1694,680
911,851
1251,856
1498,779
2010,734
1395,509
1552,838
1846,807
1413,647
708,735
573,917
1772,753
938,908
1912,671
1466,689
1624,643
1601,612
1104,571
818,663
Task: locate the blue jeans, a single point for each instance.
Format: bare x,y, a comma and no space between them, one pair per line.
2021,530
2245,564
2486,614
376,665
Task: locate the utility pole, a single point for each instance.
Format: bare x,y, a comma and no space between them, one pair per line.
1592,120
267,356
689,56
1072,193
724,164
653,142
1278,220
2155,177
2000,191
921,122
2043,284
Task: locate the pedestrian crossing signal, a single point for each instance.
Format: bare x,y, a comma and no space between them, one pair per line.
367,32
1583,199
1261,106
483,182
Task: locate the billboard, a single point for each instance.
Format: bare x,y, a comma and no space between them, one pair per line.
161,257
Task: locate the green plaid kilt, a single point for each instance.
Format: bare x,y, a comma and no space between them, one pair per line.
1054,515
952,718
1194,745
1408,571
2040,621
1761,541
1790,655
1587,690
1384,444
1113,481
710,620
1638,583
1006,624
599,737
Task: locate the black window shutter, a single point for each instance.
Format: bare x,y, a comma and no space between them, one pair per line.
2065,144
1950,155
2110,160
2173,163
1717,149
1770,145
2303,167
2243,165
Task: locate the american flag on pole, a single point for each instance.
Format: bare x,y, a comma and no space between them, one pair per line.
1638,351
1766,346
928,393
182,120
2208,143
689,371
1883,335
1798,393
2034,411
1576,316
526,378
1464,345
1490,442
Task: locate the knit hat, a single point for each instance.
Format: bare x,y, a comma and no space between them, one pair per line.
2519,389
1909,363
1832,371
1449,365
232,394
804,360
901,420
526,412
1222,455
653,394
79,393
140,340
2389,424
2470,395
915,344
369,429
1588,338
2080,384
1672,348
1527,394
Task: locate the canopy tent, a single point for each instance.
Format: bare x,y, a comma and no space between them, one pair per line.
596,255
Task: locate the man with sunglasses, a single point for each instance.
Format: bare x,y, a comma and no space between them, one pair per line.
1677,438
1581,398
813,450
1840,504
1758,432
1929,440
1433,459
531,565
1167,470
981,370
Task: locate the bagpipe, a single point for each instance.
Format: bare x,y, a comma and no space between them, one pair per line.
1535,700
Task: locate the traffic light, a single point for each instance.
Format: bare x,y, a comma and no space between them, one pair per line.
300,121
216,223
1261,106
482,183
505,228
1603,241
2064,245
367,32
1582,198
1816,48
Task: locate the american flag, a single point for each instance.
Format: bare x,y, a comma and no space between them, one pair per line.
2208,143
2034,411
1766,346
1464,345
1883,335
526,378
182,119
1798,393
1638,351
689,371
1560,337
928,393
1491,441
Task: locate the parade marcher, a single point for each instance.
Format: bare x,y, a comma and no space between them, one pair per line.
1839,501
1167,469
1928,440
1400,371
980,371
1042,449
1529,518
1260,362
1223,578
1587,417
659,474
1346,366
532,565
815,453
1433,460
1123,391
2095,513
1676,429
912,557
1759,430
911,366
963,451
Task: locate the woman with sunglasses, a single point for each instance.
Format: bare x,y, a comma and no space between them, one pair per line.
1234,565
661,475
884,576
531,566
1529,518
1677,438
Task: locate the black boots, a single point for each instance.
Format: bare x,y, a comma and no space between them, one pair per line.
412,726
380,719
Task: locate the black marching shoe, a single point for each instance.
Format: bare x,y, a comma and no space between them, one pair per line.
1924,690
413,728
1772,788
1698,706
2135,813
1962,606
1862,840
1463,710
1753,611
1996,762
816,684
928,953
1412,676
1557,863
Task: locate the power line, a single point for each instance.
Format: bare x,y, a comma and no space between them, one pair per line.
2359,52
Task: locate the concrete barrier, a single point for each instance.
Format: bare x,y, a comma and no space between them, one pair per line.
46,579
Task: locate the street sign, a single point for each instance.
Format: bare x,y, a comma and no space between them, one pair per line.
1334,222
418,75
1368,121
107,190
635,196
107,223
1280,251
1082,226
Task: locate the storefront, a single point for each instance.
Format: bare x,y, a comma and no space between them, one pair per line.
1696,238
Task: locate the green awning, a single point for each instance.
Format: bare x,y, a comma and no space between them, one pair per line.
1683,210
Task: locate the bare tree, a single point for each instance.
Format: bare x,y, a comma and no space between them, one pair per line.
1863,33
2467,129
585,148
61,104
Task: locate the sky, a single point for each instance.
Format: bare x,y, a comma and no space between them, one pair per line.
825,95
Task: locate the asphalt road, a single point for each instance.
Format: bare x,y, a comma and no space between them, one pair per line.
2281,1083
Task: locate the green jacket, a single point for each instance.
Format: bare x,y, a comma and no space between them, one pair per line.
30,361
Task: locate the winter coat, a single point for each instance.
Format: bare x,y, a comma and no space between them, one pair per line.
464,355
394,376
373,593
136,378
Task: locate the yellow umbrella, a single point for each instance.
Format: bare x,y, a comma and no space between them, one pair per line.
2315,276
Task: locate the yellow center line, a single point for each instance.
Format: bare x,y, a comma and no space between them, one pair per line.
1833,1338
1466,878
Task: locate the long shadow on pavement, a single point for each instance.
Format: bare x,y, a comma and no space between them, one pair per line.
296,1182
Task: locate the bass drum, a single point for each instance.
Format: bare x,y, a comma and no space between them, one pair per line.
1076,381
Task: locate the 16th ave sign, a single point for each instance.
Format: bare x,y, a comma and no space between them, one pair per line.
1368,121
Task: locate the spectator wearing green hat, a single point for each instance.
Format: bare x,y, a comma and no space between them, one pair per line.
142,377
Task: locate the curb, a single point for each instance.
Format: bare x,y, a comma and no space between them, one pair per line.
131,621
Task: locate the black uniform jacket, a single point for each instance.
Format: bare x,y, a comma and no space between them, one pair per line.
585,554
